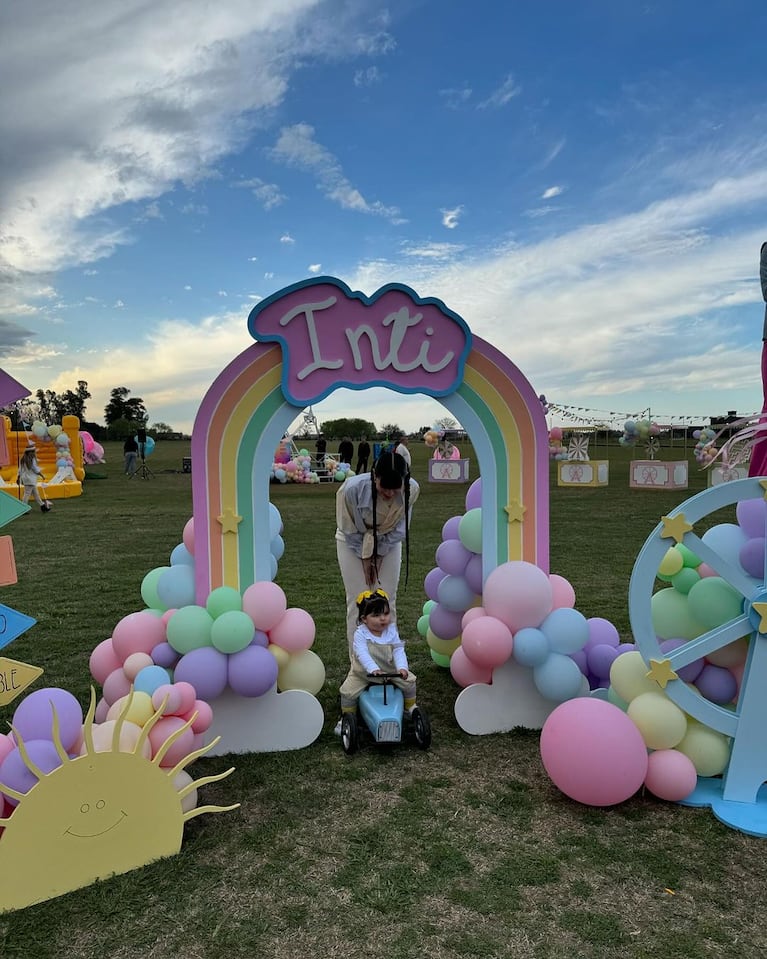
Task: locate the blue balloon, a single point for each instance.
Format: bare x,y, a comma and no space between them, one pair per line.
151,678
175,587
181,556
558,678
531,647
455,594
566,629
148,444
277,547
275,520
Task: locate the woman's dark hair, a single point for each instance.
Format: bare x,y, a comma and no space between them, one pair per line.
391,471
377,602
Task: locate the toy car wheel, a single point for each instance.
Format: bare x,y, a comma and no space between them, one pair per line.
349,733
421,728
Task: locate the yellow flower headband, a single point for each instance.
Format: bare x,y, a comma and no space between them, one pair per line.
370,593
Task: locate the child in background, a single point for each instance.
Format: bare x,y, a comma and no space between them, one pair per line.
377,649
29,471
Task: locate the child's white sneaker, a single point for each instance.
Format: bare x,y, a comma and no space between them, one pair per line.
337,729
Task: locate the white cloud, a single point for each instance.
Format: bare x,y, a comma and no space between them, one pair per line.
297,148
551,192
368,77
187,287
222,293
456,97
501,95
287,239
118,304
433,251
315,268
450,217
252,259
269,276
268,195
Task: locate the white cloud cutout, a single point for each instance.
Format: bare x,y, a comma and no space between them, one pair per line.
551,192
511,700
269,723
297,147
450,217
507,90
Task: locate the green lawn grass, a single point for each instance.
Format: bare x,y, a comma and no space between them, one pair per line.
464,850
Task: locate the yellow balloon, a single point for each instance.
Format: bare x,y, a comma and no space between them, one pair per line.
304,670
708,749
445,647
281,655
628,676
671,563
662,723
140,711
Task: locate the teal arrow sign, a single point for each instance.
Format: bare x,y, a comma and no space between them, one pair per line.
11,508
12,624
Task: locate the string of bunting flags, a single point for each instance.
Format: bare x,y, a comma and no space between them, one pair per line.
614,419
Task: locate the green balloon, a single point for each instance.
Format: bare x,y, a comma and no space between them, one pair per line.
222,600
714,602
428,606
189,628
616,700
684,580
672,616
688,557
423,625
440,659
149,588
232,631
470,530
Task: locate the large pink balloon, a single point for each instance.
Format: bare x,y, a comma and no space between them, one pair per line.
295,630
465,672
265,603
188,535
593,752
487,642
519,594
103,661
137,633
563,594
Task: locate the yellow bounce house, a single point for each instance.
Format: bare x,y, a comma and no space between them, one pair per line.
61,460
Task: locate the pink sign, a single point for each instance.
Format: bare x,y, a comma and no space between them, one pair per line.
332,338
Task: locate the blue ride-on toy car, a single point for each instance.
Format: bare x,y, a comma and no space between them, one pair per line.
381,708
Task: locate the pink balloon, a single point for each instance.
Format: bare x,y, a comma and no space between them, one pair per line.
115,686
593,752
171,693
180,748
563,594
519,594
670,775
187,537
103,661
6,745
265,603
295,630
204,716
465,672
705,570
487,642
102,708
137,633
474,613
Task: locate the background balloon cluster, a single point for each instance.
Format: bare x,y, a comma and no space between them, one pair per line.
634,431
339,471
33,724
600,753
93,452
249,642
705,451
289,468
556,450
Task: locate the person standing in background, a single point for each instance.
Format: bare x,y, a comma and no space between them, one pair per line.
403,451
363,455
346,450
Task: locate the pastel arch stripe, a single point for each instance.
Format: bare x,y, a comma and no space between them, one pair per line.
244,415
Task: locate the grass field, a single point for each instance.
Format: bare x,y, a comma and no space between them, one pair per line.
465,850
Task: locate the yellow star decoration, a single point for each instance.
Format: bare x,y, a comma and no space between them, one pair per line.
515,511
661,672
675,527
761,608
763,484
229,520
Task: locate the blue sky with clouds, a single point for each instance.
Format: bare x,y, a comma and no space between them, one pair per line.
585,183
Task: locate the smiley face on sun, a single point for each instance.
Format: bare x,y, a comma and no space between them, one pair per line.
94,816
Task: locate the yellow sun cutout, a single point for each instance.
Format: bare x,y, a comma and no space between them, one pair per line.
94,816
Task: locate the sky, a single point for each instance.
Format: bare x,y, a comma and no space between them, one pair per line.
584,183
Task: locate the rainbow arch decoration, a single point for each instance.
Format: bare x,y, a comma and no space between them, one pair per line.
316,336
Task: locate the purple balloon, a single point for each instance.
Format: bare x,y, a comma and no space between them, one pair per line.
601,631
432,581
474,495
205,669
689,673
34,716
579,657
601,658
165,655
473,573
445,623
450,529
452,556
260,639
751,516
751,557
252,671
14,772
717,684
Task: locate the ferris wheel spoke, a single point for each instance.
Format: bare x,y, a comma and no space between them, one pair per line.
709,642
731,574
